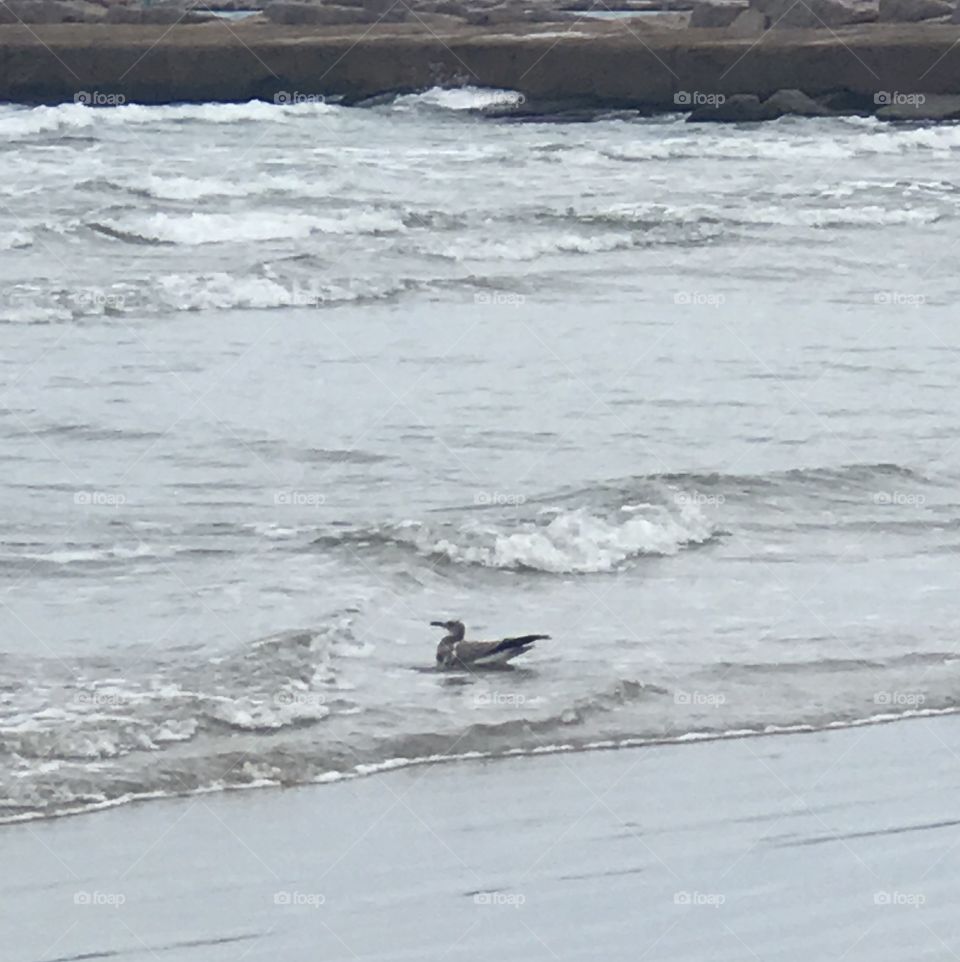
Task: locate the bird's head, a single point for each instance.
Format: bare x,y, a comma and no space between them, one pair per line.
453,628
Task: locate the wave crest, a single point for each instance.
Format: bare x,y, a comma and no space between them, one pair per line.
557,541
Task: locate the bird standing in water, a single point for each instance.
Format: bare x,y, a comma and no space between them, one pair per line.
454,652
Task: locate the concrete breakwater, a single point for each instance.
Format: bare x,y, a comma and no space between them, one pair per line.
607,64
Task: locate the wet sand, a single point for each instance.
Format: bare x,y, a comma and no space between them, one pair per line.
799,847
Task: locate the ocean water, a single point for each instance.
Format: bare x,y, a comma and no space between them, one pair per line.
279,385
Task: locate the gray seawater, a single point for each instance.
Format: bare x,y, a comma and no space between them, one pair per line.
281,384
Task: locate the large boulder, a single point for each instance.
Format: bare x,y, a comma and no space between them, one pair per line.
912,11
921,107
288,12
48,11
749,23
812,14
169,13
795,103
740,108
715,14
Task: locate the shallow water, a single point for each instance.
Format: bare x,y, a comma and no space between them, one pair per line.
280,385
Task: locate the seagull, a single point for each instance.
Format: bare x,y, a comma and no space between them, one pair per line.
454,652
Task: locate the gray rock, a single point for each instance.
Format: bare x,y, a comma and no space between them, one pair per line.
48,11
740,108
922,107
168,13
715,14
287,12
749,23
912,11
795,102
812,14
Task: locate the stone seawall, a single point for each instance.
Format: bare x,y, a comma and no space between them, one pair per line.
617,64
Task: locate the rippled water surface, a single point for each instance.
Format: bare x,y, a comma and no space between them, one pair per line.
280,385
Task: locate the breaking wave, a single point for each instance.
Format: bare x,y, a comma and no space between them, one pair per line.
195,229
459,98
556,541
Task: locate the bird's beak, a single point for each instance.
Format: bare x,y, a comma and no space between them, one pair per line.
439,624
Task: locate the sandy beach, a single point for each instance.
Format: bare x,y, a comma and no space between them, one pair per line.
799,847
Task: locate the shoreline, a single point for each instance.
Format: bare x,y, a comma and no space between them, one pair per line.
603,63
600,855
365,771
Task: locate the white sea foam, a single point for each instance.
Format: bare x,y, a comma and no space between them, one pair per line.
198,188
256,715
223,291
460,98
573,542
18,122
773,215
530,247
16,240
253,225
